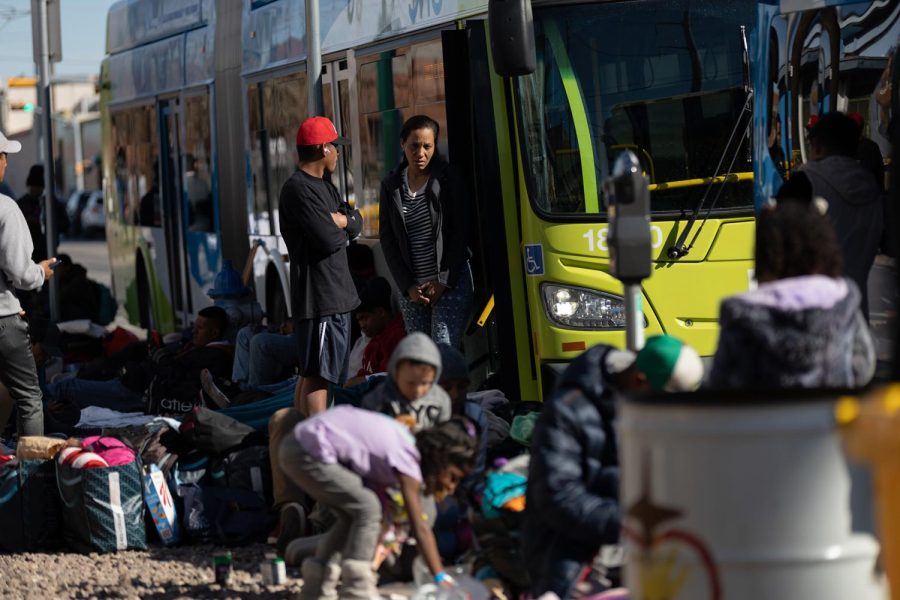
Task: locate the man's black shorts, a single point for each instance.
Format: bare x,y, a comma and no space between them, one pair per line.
323,347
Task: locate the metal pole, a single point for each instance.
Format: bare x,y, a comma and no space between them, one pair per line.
79,155
634,317
314,60
49,177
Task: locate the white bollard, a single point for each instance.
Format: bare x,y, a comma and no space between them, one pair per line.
740,502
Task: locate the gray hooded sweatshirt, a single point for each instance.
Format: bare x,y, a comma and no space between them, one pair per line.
855,209
17,270
429,410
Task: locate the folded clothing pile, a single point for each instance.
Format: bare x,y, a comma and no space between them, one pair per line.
97,451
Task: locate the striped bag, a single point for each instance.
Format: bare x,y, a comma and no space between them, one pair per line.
102,508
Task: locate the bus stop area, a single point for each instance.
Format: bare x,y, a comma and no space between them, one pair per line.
460,300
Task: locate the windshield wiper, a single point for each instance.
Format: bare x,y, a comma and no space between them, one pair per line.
681,248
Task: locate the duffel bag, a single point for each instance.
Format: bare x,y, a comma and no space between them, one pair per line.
237,517
29,507
102,507
244,469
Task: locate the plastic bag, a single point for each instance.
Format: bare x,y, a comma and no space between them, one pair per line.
464,586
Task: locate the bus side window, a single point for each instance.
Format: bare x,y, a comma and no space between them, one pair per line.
197,168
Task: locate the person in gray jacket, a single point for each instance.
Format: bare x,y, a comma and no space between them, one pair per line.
411,394
855,201
802,327
17,369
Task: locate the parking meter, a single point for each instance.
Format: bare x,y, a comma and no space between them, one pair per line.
630,242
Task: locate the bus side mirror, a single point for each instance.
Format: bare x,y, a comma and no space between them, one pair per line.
512,37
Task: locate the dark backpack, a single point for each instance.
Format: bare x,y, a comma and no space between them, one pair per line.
244,469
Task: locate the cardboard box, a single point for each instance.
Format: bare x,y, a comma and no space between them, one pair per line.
161,505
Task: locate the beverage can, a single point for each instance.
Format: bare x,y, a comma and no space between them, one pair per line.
222,567
279,571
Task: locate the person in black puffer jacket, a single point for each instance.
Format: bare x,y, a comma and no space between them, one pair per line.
572,506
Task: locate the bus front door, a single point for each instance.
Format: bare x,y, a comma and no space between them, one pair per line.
173,260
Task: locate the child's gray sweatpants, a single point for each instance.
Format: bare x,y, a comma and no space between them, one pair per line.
357,509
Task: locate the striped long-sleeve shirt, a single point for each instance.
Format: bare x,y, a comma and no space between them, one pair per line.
419,232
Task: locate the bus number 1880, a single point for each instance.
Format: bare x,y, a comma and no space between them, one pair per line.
597,239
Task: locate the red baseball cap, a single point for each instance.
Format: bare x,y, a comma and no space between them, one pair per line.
318,130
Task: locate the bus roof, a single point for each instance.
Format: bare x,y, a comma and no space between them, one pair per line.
134,23
274,31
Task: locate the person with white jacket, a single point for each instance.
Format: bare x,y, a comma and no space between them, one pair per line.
17,271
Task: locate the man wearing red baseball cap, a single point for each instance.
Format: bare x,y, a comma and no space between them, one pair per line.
317,225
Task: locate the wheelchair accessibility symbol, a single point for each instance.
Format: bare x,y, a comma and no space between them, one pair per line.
534,259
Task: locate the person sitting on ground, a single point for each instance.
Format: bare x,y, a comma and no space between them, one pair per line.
263,361
383,328
802,327
452,528
176,368
409,394
572,506
80,297
263,357
345,458
455,381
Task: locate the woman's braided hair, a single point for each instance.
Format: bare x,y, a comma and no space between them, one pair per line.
452,443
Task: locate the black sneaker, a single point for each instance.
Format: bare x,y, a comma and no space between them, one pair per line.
292,522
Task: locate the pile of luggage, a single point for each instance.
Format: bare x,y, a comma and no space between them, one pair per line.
205,479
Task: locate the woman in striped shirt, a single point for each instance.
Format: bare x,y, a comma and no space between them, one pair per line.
423,224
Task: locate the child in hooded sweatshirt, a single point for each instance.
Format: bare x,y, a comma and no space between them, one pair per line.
345,458
409,394
802,327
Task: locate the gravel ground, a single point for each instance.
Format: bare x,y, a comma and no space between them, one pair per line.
182,573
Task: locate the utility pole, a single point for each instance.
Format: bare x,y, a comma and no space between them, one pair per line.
41,30
314,60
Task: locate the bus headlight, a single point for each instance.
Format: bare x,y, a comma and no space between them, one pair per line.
582,308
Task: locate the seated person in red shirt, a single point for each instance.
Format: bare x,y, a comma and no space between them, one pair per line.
381,325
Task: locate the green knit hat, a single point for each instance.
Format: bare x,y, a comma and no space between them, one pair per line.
522,428
670,365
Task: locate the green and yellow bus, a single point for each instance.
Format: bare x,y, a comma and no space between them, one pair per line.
201,102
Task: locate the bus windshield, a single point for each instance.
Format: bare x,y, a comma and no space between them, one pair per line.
662,78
